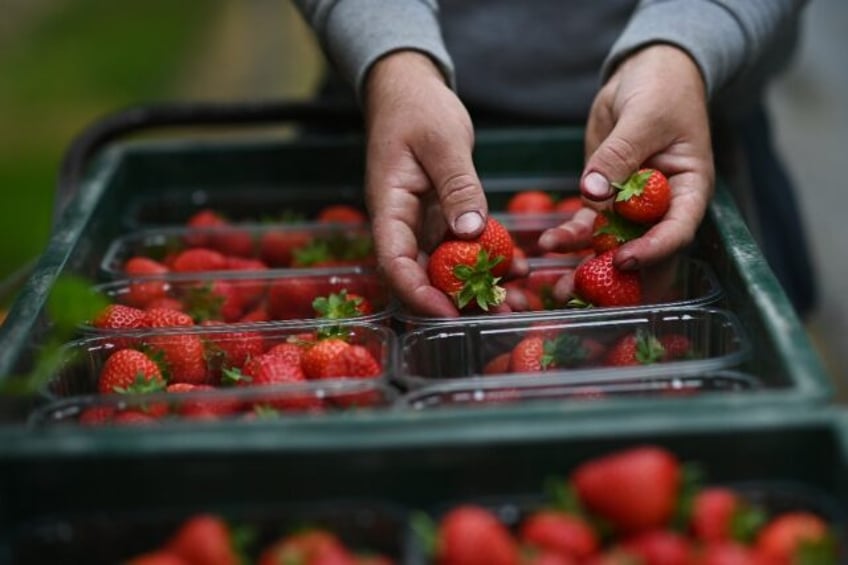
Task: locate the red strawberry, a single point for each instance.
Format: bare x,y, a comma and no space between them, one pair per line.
712,514
644,198
359,363
661,547
231,349
309,547
245,264
142,293
472,535
258,314
727,553
183,356
120,317
202,220
291,298
276,248
214,300
133,418
677,346
598,282
128,370
611,230
341,305
796,537
160,557
325,359
463,271
96,416
204,538
166,303
292,352
213,407
167,318
530,202
543,557
498,364
199,259
635,489
269,370
569,204
637,348
497,242
538,352
340,214
232,242
561,533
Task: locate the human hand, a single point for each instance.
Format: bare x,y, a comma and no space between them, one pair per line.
420,179
653,113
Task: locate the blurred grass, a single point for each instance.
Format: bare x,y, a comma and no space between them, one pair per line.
84,59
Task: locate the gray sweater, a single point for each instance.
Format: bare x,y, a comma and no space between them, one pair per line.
547,58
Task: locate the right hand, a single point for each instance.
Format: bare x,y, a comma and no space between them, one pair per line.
420,178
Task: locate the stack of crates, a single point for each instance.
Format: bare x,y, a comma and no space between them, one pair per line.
750,403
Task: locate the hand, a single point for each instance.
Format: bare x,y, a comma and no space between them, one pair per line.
420,178
652,112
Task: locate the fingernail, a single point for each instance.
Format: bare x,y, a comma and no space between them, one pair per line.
596,185
628,264
468,223
547,240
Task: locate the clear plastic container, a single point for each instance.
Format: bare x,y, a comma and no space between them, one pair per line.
307,245
482,393
587,349
268,296
689,283
215,350
313,398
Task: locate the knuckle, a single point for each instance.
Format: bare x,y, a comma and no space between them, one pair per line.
620,153
458,188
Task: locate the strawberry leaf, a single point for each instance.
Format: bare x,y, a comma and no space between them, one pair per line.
634,186
337,306
649,350
426,532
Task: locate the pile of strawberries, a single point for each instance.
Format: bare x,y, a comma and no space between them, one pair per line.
206,539
193,362
638,506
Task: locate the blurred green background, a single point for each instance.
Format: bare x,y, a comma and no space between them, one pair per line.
66,63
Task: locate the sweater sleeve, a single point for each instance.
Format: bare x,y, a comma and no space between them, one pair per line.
724,37
356,33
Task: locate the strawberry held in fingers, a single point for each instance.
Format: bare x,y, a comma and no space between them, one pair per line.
610,230
598,282
463,271
644,198
498,243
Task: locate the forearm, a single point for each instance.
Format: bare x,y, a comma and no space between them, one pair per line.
356,33
723,37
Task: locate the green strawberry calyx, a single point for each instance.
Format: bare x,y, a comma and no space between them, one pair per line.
622,229
648,348
141,385
479,284
233,376
633,186
337,306
203,304
563,351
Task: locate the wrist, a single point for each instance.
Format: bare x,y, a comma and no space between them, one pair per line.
670,59
399,69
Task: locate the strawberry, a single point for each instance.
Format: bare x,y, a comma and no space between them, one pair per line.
202,220
536,353
129,371
276,248
96,416
166,318
530,202
359,363
643,198
133,418
561,533
292,352
166,303
308,547
463,271
712,514
182,356
341,305
120,317
610,230
340,214
210,408
727,553
258,314
142,293
660,547
272,370
199,259
637,348
232,242
159,557
325,359
569,204
677,346
497,242
796,537
597,282
244,264
214,300
204,538
471,535
233,348
543,557
635,489
498,364
291,298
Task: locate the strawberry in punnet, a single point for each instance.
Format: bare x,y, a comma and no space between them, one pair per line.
206,539
166,318
142,293
120,317
636,489
597,282
561,533
308,547
292,352
258,314
341,305
720,515
463,271
471,535
160,557
245,264
291,298
203,220
96,416
537,353
610,230
341,214
360,363
498,364
530,202
130,371
182,355
215,300
325,359
661,547
232,242
796,537
210,408
677,346
637,348
231,349
276,248
198,260
133,418
727,553
275,370
166,303
643,198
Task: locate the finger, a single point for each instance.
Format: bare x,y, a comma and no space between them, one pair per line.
448,163
574,234
564,286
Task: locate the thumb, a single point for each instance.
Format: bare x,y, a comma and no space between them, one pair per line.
451,171
630,143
